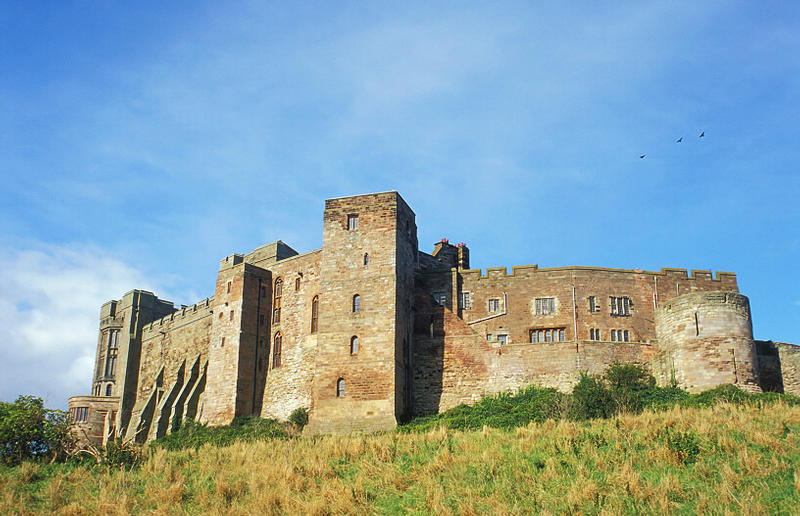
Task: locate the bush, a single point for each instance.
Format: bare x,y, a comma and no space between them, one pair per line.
299,417
591,399
30,431
498,411
684,445
627,384
192,434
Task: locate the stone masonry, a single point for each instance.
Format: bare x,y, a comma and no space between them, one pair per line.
368,331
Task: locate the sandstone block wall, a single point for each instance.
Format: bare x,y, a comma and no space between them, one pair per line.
100,421
369,376
789,355
432,333
288,387
454,364
706,339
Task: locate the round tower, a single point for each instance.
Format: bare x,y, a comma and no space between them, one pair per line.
706,339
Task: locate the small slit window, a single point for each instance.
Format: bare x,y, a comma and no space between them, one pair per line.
340,388
276,304
276,355
314,313
354,345
366,259
356,303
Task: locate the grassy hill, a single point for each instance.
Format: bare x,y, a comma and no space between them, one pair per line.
725,458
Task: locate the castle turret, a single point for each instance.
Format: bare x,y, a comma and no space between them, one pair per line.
706,339
366,287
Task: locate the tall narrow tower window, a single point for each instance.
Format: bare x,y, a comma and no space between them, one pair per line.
314,313
276,355
276,304
353,345
366,259
356,303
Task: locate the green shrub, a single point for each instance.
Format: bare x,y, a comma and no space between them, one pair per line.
192,434
627,383
299,417
30,431
499,411
685,445
591,399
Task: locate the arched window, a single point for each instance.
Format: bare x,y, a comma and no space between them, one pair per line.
340,388
356,303
276,354
276,304
366,259
314,313
353,345
108,390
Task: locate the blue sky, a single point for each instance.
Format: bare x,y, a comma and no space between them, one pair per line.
141,143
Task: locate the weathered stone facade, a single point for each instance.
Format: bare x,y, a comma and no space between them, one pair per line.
369,330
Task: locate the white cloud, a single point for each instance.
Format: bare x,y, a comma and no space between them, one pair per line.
50,297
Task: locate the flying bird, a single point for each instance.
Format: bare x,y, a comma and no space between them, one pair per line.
702,135
679,140
642,156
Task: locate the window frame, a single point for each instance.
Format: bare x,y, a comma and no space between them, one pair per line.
354,345
314,313
545,305
276,300
621,306
356,304
352,221
277,350
340,388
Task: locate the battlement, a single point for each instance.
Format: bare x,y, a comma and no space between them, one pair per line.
528,270
694,299
183,313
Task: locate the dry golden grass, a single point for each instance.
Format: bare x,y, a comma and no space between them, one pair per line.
748,463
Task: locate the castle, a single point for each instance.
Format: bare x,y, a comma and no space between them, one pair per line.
368,330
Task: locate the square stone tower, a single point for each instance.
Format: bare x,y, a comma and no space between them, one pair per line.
369,253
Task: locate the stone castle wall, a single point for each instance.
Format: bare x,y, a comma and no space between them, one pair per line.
288,386
432,333
706,339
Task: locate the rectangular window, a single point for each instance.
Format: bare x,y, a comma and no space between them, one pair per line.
561,334
620,306
352,222
441,298
594,334
81,414
625,336
494,305
613,335
231,316
229,287
466,302
545,305
593,306
502,339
